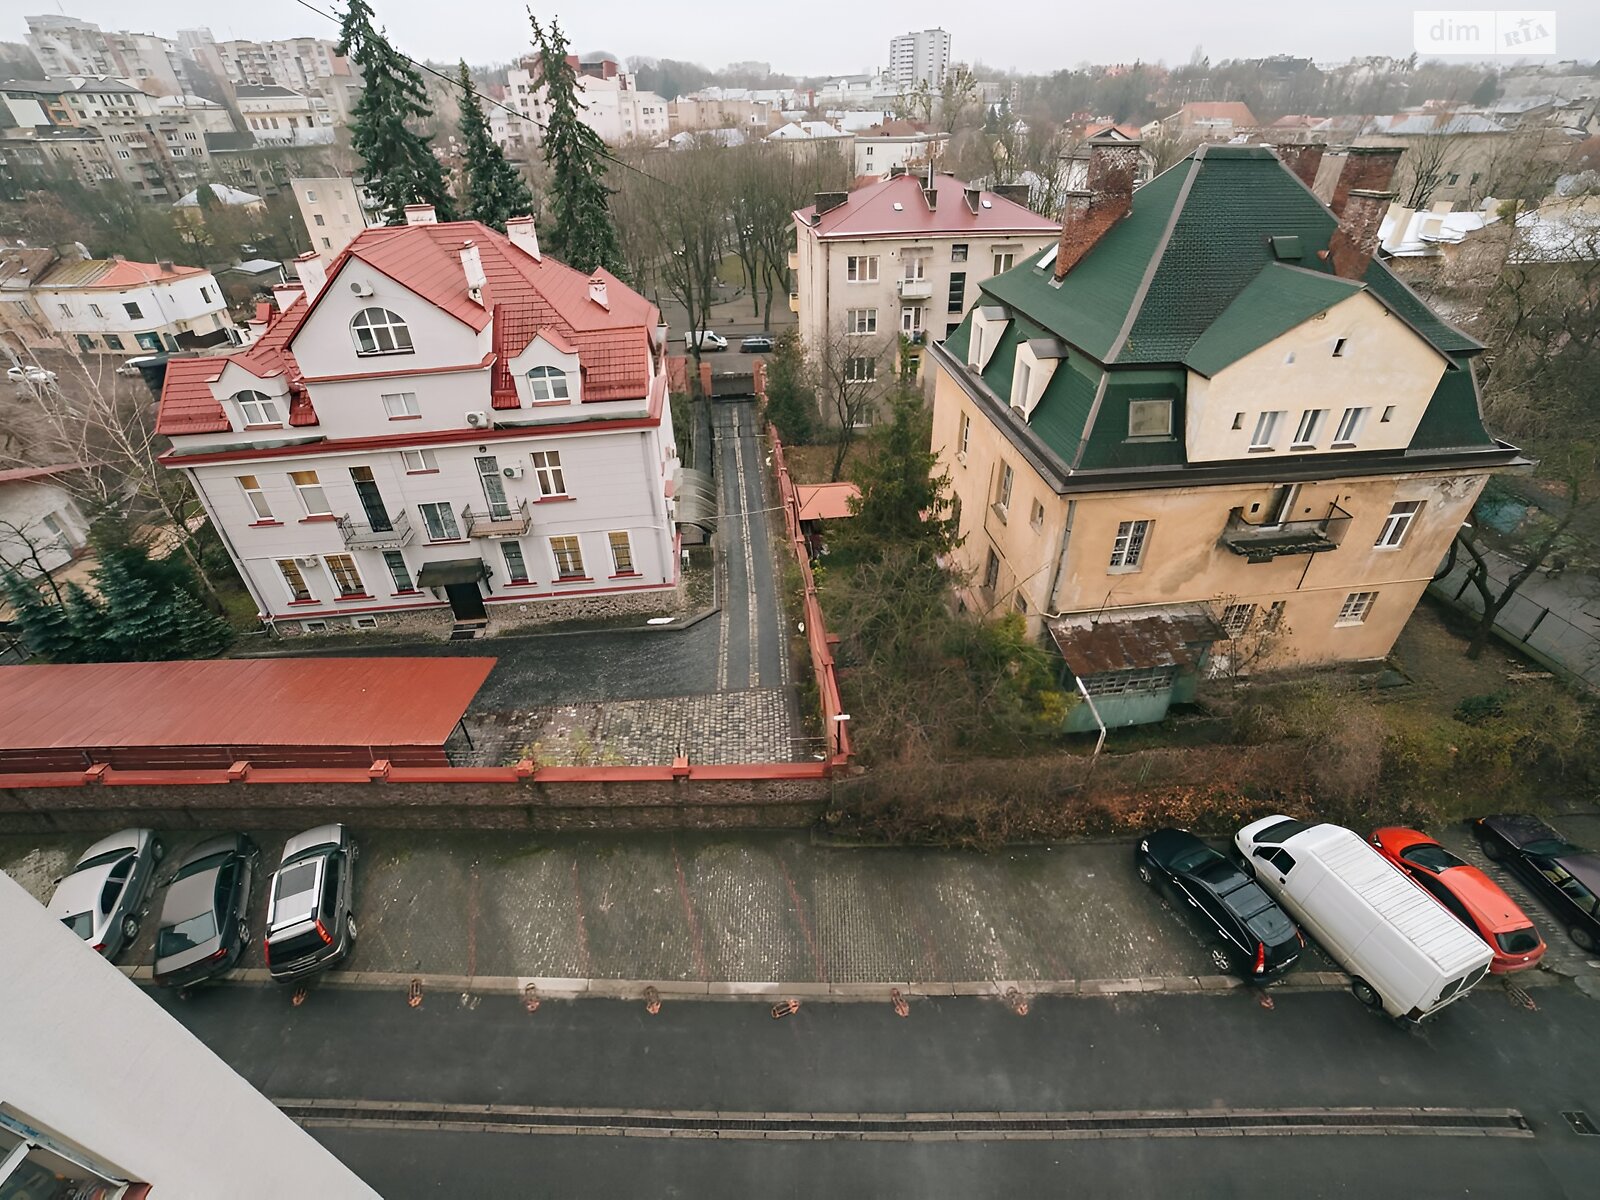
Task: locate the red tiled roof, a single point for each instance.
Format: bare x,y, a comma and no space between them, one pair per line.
1219,110
27,474
187,404
870,211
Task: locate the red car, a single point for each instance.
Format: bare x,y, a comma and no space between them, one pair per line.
1475,899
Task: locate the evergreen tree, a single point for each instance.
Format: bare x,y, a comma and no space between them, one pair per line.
903,503
791,404
401,169
90,627
46,631
583,234
495,188
146,621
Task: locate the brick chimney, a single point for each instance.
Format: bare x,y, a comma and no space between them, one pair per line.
524,236
597,292
312,273
421,214
1087,214
1302,159
1370,168
1351,248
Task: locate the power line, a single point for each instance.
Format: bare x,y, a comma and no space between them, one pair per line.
490,100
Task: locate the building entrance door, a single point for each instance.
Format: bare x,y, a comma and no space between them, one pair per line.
466,602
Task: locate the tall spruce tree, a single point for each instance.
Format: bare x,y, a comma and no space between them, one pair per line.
583,234
495,188
905,500
145,620
401,169
46,629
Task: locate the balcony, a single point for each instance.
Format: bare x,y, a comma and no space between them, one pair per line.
915,289
794,260
1263,543
482,524
794,302
360,535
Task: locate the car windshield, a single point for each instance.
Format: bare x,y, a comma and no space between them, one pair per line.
186,935
1517,941
81,924
1551,848
204,864
100,860
1281,831
1431,856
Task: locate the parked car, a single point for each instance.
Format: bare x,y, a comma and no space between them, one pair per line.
30,374
1564,876
1252,936
706,339
131,367
310,924
205,914
1475,900
758,344
102,899
1404,953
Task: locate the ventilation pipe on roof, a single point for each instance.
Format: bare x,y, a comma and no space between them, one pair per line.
1351,248
972,195
1370,168
597,292
311,272
1087,214
931,195
421,214
472,268
524,236
285,294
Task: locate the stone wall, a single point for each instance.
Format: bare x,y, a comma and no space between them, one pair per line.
730,803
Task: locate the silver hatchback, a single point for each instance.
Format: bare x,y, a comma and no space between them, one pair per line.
102,899
310,925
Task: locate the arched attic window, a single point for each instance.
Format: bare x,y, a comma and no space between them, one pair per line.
548,383
379,331
258,408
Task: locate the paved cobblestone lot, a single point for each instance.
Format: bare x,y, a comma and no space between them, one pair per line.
748,907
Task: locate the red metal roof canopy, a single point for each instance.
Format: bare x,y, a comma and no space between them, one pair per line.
270,711
825,501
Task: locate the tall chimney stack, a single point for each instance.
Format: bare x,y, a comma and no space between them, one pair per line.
312,273
1370,168
421,214
1353,244
1302,159
524,236
1086,215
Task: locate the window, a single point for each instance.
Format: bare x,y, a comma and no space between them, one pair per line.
1236,618
133,310
977,345
1127,549
516,565
294,580
1274,617
113,342
257,408
1355,608
419,461
95,309
317,217
913,269
548,383
964,435
326,244
439,520
494,488
205,294
547,470
1305,434
1278,857
861,320
1149,418
1002,496
1350,426
568,555
379,331
1019,387
1397,524
345,576
33,1163
861,268
85,342
400,405
958,292
256,497
991,572
1338,346
911,317
1004,260
312,497
1238,420
621,552
860,369
1388,415
65,310
1036,516
1021,603
958,252
398,571
1266,430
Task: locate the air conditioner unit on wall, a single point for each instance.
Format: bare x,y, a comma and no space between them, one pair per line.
308,560
512,472
478,420
360,288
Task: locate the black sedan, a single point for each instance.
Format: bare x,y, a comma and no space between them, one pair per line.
204,916
1564,876
1253,937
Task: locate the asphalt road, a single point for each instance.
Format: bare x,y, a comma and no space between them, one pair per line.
751,642
1139,1054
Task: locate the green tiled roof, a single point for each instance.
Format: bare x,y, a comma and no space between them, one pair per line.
1451,421
1274,302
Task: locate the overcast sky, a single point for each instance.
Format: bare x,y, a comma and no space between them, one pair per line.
812,37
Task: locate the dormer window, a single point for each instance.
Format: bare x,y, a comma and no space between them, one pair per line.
547,384
379,331
257,408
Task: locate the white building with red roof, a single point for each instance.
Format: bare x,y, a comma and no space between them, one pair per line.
443,426
115,306
904,255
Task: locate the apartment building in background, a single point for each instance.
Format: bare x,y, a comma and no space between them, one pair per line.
67,46
920,57
1201,435
446,430
902,257
275,114
885,145
334,209
611,104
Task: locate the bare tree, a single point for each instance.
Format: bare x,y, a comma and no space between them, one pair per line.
1427,164
1253,638
851,373
22,552
685,211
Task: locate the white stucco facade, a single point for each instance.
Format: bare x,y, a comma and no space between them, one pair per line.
134,308
41,527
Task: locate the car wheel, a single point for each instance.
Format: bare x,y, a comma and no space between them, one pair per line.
1582,938
1146,875
1246,866
130,928
244,933
1366,993
1221,961
1491,850
350,925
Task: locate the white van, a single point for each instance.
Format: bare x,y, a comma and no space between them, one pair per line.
1404,951
706,339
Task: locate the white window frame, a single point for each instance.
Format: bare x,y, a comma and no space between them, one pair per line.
311,493
853,367
1356,608
991,571
859,322
1350,426
548,385
1004,260
257,409
385,330
511,551
256,497
1129,544
1266,430
342,569
419,462
400,405
861,268
963,437
550,475
131,307
626,556
290,571
1008,484
1021,381
1150,405
1305,434
913,318
399,571
1237,619
1397,524
1036,515
448,526
569,551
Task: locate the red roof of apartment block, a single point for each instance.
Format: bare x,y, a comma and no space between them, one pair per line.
897,208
